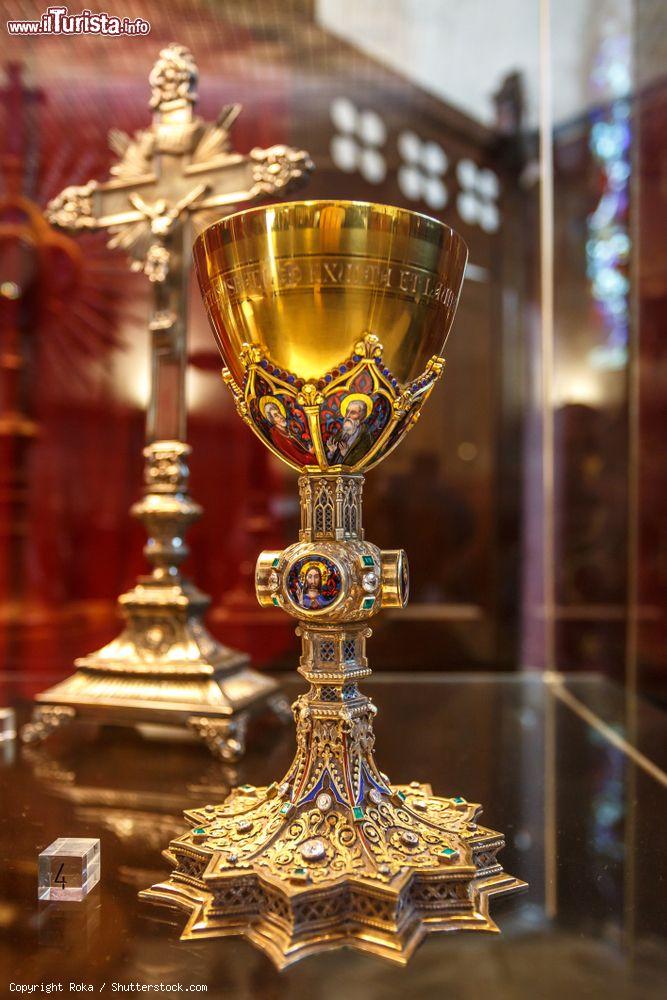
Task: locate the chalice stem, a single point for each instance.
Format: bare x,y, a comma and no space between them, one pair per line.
334,853
334,720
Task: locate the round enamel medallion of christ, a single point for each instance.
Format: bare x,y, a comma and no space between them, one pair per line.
314,582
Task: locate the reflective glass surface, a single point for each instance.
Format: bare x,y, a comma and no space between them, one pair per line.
582,821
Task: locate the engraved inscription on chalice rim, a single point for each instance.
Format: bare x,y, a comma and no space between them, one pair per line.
252,279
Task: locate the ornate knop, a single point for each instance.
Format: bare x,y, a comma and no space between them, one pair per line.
166,468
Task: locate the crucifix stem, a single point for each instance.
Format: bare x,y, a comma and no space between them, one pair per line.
166,412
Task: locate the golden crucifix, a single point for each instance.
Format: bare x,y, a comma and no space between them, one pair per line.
165,668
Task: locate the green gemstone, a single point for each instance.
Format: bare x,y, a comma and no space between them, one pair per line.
275,601
276,562
285,809
368,603
459,801
199,831
358,812
367,560
247,788
449,853
300,871
401,795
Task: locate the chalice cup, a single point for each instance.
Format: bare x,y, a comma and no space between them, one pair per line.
331,318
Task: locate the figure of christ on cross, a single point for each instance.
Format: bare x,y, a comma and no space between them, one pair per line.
178,167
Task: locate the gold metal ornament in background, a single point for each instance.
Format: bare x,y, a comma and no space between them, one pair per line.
165,668
331,318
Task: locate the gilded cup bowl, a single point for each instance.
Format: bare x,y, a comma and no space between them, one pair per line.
331,318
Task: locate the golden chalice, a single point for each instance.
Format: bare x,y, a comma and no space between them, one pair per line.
331,318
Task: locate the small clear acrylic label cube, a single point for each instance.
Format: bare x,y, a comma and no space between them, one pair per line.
69,868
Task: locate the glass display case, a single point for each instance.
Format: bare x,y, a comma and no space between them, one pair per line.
531,658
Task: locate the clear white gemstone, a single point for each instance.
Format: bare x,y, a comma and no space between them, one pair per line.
243,825
370,582
375,796
324,802
274,581
312,850
409,838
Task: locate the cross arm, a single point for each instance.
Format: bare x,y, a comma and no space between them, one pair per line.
232,179
97,205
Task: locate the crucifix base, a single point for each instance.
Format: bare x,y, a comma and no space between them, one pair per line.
215,708
164,670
